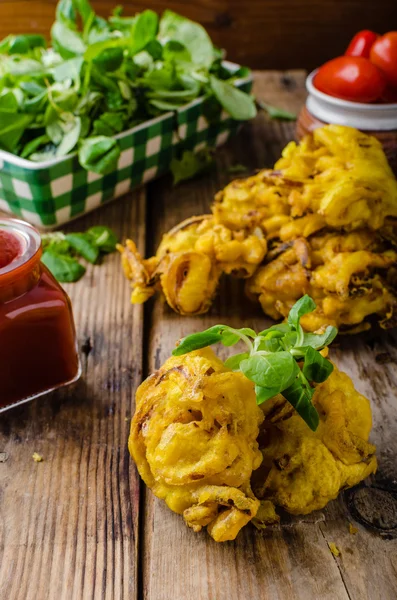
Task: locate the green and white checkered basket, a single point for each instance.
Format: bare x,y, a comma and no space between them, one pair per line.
51,193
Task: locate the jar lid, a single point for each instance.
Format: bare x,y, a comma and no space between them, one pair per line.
26,236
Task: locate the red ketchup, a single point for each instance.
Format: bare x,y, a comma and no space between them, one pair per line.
38,349
10,248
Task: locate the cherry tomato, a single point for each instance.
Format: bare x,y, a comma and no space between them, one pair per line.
389,95
362,43
384,56
351,78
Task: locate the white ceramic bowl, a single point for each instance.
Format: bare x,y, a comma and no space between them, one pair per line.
368,117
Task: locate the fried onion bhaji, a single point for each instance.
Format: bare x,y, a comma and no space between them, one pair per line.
201,444
193,439
303,470
189,262
336,177
347,275
322,222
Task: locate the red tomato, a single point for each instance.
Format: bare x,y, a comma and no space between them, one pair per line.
350,78
384,55
389,95
362,43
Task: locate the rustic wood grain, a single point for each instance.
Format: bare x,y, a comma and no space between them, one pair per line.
69,525
264,34
291,561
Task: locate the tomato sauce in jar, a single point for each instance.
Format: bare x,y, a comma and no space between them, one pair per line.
38,349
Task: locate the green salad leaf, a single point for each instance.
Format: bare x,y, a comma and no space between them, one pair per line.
64,268
300,396
275,112
144,30
61,252
99,154
103,238
190,34
275,360
104,76
84,246
237,169
237,103
191,164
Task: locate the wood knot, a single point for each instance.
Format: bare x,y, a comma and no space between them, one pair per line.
288,82
87,346
374,508
383,358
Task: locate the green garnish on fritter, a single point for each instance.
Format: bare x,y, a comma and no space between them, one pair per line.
272,357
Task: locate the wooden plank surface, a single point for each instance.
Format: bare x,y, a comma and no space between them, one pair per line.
271,34
69,525
80,526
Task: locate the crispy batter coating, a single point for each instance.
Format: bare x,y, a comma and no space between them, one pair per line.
303,470
337,177
189,262
139,271
200,441
345,274
193,439
322,222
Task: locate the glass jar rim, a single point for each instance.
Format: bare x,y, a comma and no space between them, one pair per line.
29,239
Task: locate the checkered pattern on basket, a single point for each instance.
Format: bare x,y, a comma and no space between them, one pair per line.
50,196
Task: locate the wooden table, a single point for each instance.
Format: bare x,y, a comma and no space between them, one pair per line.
80,525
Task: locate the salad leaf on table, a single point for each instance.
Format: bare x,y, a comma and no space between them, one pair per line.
83,245
64,268
272,357
102,77
237,169
61,252
191,164
275,112
103,238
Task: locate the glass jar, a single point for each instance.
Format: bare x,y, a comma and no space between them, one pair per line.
38,348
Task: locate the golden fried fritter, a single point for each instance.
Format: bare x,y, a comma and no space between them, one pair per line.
323,223
257,201
189,262
351,183
200,441
193,439
345,274
303,470
138,270
337,177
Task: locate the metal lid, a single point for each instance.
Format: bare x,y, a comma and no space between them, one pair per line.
28,237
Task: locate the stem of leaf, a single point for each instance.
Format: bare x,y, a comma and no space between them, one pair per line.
301,335
305,383
261,353
50,98
87,76
243,337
